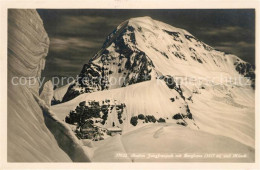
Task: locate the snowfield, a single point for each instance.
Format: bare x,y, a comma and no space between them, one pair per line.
157,142
200,118
217,116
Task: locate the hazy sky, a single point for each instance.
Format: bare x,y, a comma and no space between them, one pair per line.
76,35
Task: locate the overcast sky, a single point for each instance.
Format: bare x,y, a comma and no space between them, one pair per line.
76,35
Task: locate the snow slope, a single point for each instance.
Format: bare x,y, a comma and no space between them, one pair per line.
167,140
146,54
148,98
63,134
226,110
28,137
29,140
33,132
213,109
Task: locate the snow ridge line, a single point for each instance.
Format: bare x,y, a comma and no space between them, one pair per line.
65,138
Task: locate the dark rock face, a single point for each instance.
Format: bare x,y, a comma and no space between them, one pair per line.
175,35
247,70
132,65
70,94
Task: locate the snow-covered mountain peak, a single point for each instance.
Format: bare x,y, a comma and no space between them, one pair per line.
140,65
170,45
142,49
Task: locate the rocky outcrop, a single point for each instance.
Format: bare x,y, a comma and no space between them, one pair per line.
246,70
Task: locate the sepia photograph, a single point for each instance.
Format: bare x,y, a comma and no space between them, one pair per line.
131,85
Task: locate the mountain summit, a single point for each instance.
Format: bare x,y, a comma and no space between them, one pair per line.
148,71
145,94
141,49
